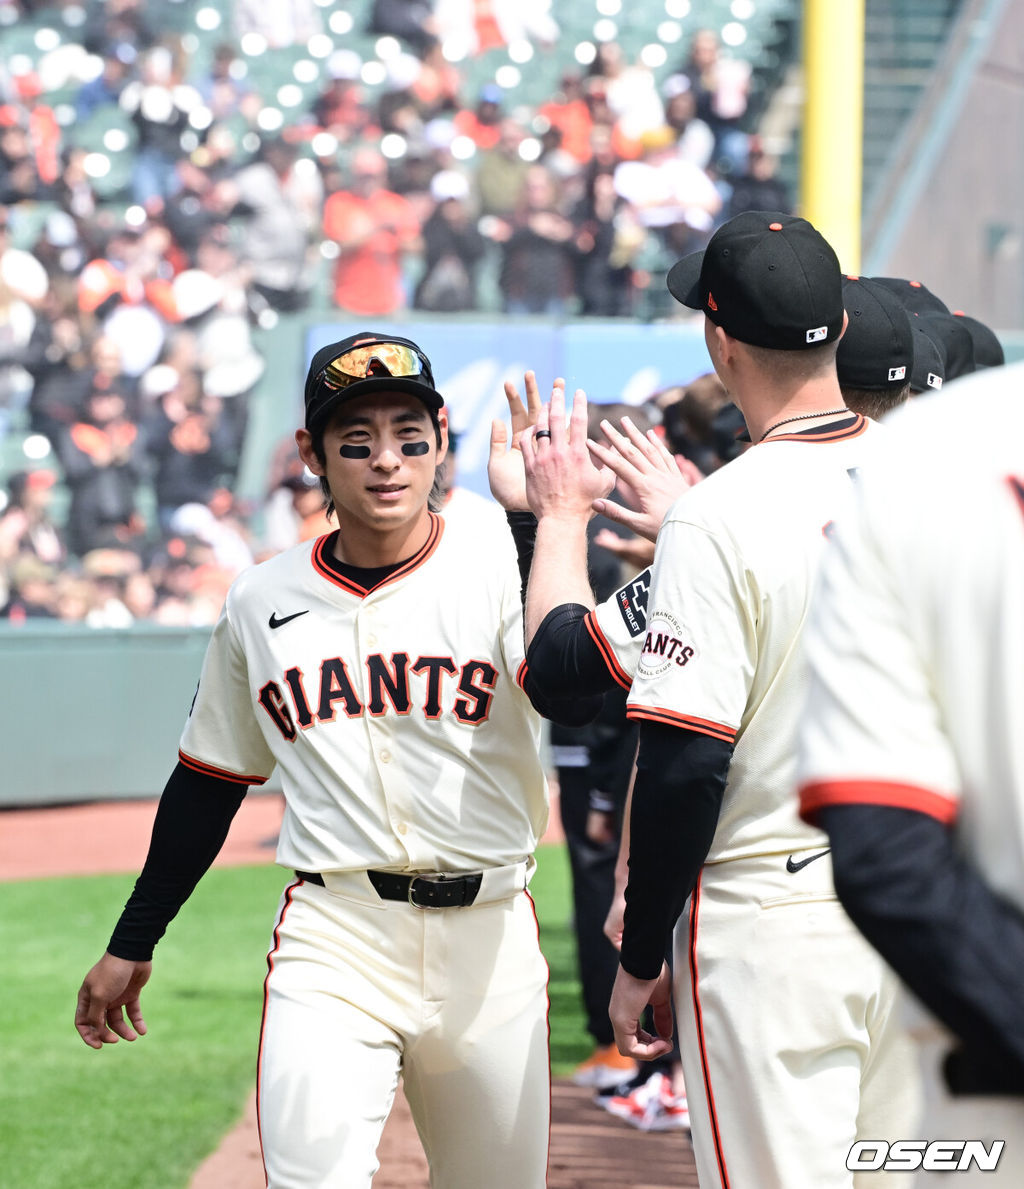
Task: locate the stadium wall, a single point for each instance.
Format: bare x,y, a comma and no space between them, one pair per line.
949,211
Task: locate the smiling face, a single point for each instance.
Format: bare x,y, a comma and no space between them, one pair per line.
380,454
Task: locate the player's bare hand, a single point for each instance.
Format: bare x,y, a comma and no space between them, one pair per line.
505,473
634,551
562,480
601,828
616,915
630,996
523,416
110,990
649,476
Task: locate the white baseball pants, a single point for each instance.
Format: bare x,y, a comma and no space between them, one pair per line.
361,991
790,1031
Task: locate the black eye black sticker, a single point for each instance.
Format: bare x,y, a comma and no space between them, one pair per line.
411,449
354,451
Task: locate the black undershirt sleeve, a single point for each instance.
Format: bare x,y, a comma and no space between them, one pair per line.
574,711
192,821
524,532
956,944
677,798
563,657
575,707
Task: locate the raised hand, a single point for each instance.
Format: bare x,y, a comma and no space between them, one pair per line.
634,551
562,480
648,475
505,462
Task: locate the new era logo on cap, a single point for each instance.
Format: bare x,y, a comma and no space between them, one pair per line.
766,278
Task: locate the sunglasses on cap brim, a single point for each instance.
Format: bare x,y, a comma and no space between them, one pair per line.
373,360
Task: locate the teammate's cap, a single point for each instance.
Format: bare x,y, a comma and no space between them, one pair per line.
988,350
877,351
913,295
929,369
364,363
955,340
768,279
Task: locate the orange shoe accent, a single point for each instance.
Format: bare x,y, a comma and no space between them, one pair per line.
606,1066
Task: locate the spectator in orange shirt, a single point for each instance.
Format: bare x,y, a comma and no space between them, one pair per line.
482,123
373,228
436,87
570,113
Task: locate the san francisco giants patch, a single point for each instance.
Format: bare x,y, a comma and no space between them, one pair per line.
667,644
631,601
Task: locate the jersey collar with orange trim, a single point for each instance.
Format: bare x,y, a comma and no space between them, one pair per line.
319,559
852,425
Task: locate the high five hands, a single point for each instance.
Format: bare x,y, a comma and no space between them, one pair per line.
552,468
562,479
505,472
649,477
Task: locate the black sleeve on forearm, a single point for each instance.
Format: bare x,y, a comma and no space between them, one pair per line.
677,798
612,752
574,711
956,943
524,532
563,658
192,821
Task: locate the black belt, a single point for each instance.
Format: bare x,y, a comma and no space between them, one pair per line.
421,891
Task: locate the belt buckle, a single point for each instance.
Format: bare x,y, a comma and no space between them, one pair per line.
427,877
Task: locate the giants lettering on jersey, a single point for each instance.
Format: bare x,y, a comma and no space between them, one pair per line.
436,684
665,644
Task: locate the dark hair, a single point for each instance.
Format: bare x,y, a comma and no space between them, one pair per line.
875,403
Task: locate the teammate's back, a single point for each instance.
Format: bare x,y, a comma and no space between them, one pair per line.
770,513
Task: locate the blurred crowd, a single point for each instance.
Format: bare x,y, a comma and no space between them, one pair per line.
128,304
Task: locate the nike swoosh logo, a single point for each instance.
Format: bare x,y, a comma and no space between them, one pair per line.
279,623
792,867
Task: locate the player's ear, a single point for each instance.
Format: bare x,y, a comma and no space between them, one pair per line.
442,433
304,441
846,322
717,342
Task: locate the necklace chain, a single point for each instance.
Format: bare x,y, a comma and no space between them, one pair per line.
802,417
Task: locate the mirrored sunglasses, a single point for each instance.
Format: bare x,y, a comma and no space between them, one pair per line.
371,360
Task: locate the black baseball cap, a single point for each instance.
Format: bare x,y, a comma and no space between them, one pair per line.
915,297
955,340
929,369
876,353
768,279
364,363
988,350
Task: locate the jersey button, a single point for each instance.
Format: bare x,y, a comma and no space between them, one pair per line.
403,828
371,640
385,757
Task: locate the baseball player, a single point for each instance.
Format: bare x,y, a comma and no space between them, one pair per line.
791,1047
911,753
380,669
875,356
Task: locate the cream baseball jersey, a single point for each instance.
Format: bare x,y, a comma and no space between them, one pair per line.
370,702
916,647
730,589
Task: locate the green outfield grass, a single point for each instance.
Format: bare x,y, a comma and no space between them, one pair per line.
144,1115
